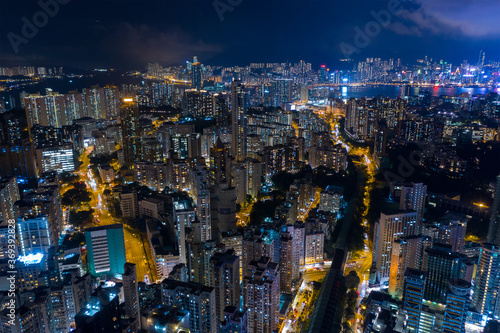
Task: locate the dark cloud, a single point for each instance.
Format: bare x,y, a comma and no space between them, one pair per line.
142,43
478,18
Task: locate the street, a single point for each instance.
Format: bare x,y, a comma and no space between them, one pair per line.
360,262
302,305
137,251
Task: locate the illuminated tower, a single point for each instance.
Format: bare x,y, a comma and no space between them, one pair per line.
130,130
239,119
261,289
220,163
441,265
390,227
480,62
413,197
487,280
131,293
196,75
494,230
225,278
413,294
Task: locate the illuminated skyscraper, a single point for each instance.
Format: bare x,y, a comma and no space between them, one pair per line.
281,92
34,235
406,252
225,278
413,197
441,265
239,120
487,280
494,229
261,288
131,294
195,298
413,293
196,79
220,163
9,194
390,227
480,62
130,130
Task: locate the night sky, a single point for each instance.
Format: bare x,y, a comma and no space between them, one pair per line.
128,34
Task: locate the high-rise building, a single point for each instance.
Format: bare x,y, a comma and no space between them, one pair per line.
297,232
9,194
82,290
195,298
259,243
413,293
131,293
220,103
239,120
197,103
56,158
234,321
101,314
184,215
441,265
331,199
413,197
203,212
457,306
480,62
35,235
407,252
391,226
220,163
196,78
487,282
451,230
130,130
286,259
32,319
53,109
494,229
153,175
314,247
234,240
225,278
261,295
225,219
239,172
281,92
105,249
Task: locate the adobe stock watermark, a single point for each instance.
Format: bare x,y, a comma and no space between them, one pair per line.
11,272
406,167
222,6
30,28
372,29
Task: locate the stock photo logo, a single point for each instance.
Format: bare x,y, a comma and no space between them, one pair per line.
40,19
363,36
223,6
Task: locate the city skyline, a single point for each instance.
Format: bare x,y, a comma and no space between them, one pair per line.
249,166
